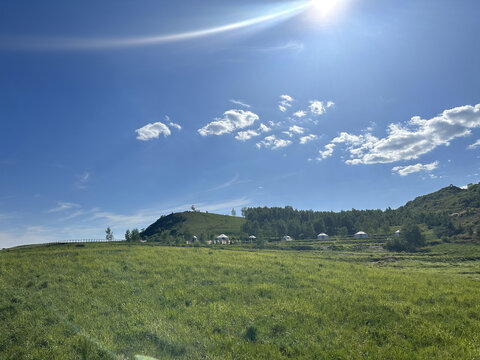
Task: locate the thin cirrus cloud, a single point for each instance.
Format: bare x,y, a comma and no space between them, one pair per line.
409,140
239,102
154,130
410,169
232,120
63,206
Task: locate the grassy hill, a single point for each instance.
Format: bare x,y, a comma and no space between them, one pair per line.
450,198
461,207
191,223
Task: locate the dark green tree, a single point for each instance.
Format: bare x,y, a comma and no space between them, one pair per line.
108,234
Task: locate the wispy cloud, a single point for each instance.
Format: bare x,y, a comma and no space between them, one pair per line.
246,135
474,145
273,142
410,169
300,113
231,121
285,102
82,180
308,138
63,206
239,102
288,46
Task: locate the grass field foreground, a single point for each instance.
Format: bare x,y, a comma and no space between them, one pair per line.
117,301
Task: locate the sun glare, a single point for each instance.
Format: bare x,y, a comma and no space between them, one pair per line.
325,8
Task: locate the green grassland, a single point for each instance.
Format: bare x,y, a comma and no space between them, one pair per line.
337,301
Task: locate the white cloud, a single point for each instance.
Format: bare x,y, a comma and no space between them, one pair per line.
327,152
239,102
62,206
232,120
246,135
296,129
264,128
300,114
412,139
474,145
319,107
410,169
308,138
273,142
174,125
285,102
152,131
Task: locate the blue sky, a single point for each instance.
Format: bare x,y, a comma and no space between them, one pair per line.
106,119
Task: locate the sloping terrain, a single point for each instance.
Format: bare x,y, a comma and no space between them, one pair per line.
191,223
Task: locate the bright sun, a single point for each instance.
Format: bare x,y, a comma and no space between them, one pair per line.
324,8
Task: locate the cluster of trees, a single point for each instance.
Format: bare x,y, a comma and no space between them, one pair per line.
306,224
303,224
134,235
410,238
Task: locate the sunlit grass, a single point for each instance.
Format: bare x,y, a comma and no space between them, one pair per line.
114,301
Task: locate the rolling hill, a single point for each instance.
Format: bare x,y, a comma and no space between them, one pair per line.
189,223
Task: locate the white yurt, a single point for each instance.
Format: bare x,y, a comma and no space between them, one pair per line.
397,233
287,238
252,238
222,239
322,236
361,235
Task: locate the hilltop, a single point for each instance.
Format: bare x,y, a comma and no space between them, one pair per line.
189,223
450,198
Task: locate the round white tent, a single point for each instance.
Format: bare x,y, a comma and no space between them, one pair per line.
361,235
322,236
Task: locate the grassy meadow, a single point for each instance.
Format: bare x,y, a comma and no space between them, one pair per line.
119,301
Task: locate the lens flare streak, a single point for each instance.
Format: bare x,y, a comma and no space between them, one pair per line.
71,43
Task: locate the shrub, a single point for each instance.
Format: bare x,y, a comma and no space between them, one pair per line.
251,333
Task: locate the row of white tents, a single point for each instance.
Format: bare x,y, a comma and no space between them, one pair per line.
224,239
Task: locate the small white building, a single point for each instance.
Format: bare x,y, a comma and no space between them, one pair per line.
222,239
322,236
397,233
252,238
287,238
194,238
361,235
